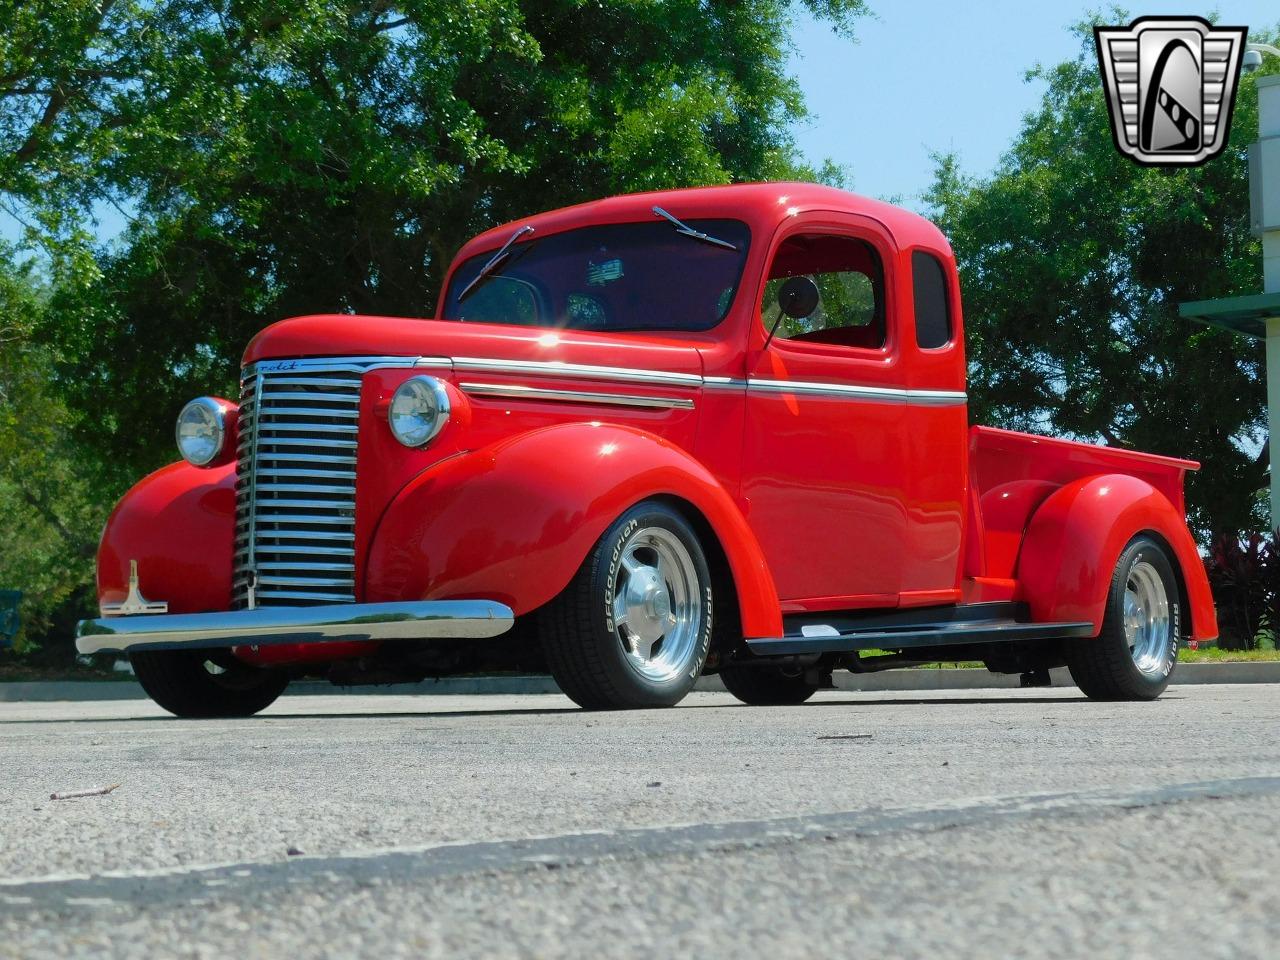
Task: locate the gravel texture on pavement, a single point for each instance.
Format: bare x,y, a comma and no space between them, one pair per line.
1029,823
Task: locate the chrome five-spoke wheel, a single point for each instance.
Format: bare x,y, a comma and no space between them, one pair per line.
657,607
1146,620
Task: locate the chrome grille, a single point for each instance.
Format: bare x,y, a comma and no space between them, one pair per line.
296,481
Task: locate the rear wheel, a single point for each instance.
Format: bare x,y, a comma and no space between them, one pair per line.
1134,655
633,627
206,683
763,686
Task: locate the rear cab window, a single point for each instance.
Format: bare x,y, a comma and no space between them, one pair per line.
932,301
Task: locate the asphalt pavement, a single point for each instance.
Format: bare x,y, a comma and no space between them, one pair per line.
969,824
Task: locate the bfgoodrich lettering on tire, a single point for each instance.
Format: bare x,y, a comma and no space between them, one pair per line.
1135,654
633,627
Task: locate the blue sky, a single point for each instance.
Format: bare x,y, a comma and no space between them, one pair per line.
928,75
923,76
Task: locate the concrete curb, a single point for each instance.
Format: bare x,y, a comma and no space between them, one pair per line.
893,680
78,690
86,690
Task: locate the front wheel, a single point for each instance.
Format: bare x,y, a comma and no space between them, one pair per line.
206,683
1134,655
633,627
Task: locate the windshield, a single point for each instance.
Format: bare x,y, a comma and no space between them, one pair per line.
618,277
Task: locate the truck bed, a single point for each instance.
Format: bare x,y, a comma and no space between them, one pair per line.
1012,473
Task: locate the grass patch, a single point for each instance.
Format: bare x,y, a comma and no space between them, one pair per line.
954,665
1215,655
943,665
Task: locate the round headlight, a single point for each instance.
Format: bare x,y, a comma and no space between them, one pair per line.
201,431
419,410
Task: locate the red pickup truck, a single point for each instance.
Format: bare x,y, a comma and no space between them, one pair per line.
718,430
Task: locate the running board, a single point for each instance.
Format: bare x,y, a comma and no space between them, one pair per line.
824,638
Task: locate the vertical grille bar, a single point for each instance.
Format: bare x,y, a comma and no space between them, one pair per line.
241,594
296,481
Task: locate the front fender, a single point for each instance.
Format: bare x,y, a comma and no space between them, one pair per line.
1075,539
178,523
513,521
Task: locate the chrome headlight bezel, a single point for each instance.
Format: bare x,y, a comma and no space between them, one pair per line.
208,413
418,411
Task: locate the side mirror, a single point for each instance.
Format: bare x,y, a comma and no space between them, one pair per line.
798,297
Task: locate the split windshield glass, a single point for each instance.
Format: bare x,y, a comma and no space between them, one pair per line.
611,278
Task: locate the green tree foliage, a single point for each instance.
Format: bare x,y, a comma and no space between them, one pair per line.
50,514
278,159
1073,262
287,158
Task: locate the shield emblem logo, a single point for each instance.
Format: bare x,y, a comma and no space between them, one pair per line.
1171,87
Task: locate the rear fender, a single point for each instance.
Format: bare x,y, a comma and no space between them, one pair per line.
513,521
1075,539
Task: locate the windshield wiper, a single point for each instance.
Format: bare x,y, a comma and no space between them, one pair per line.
490,268
688,231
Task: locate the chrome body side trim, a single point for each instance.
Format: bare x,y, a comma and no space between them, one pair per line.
558,368
843,390
627,375
517,392
724,383
421,620
937,398
856,392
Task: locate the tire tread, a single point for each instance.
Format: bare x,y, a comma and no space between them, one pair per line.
578,667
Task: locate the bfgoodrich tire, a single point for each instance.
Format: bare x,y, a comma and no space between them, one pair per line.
205,683
763,686
633,627
1134,656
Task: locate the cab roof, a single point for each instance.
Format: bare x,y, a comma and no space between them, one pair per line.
763,206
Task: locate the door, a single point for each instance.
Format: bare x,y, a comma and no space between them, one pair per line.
823,456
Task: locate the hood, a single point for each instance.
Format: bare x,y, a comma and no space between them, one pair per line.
345,335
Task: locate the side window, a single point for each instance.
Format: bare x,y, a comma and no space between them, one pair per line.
933,305
850,281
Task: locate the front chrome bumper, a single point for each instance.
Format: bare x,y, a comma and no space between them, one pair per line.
421,620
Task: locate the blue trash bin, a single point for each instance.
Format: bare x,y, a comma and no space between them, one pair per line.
9,620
